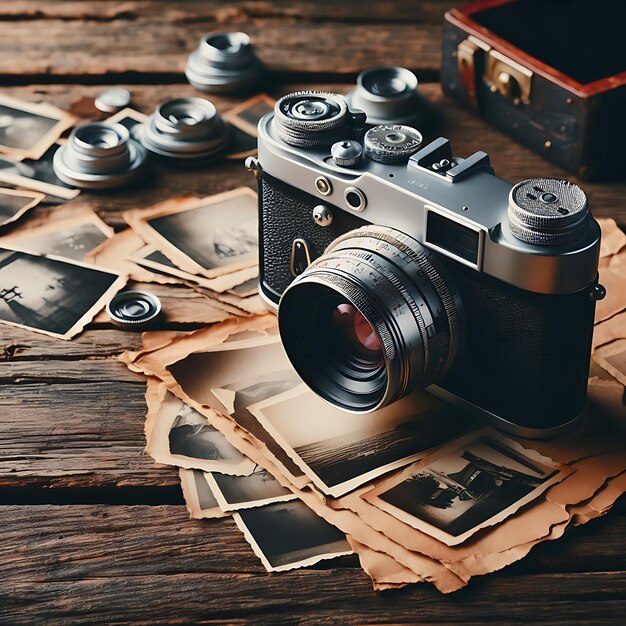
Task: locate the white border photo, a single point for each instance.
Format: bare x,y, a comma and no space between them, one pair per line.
471,483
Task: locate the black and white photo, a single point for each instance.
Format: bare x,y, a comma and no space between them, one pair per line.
14,203
71,238
246,115
471,483
288,535
199,498
27,129
612,357
340,451
239,373
53,296
234,493
210,236
36,174
178,435
151,258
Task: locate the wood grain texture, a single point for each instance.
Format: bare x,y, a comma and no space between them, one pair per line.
71,416
98,564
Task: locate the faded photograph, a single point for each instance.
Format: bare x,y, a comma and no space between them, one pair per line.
72,238
244,371
51,295
178,435
459,490
216,235
26,129
192,436
243,492
612,357
246,115
200,501
289,535
340,451
13,204
36,174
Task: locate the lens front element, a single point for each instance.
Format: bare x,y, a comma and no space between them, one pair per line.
371,320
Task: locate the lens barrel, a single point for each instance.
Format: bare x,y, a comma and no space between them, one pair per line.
401,291
99,155
388,95
185,128
224,62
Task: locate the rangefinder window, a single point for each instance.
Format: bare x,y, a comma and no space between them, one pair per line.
447,235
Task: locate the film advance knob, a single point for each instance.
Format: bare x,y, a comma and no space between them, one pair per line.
547,211
346,153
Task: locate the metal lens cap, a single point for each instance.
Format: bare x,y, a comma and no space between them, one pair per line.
134,309
547,211
391,143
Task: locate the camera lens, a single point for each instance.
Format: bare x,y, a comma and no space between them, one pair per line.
185,128
99,155
372,319
388,95
224,62
308,119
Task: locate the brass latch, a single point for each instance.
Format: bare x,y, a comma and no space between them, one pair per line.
475,57
508,77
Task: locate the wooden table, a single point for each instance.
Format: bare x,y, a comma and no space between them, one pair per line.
92,530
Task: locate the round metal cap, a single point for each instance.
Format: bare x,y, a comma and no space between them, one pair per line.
112,100
99,155
388,95
224,62
134,309
547,211
346,153
391,143
185,128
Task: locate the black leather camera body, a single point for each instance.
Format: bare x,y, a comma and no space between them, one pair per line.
396,272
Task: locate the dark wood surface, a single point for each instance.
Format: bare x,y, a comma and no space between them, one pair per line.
92,530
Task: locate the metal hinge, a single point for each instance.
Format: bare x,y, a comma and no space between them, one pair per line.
503,75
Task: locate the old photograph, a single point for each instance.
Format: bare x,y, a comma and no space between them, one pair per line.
199,498
27,130
178,435
14,203
128,118
53,296
210,236
248,288
154,260
36,174
612,357
241,144
471,483
72,238
288,535
235,375
245,492
340,451
246,115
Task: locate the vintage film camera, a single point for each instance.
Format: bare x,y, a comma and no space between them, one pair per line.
396,267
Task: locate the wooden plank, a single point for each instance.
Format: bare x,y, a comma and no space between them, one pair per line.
151,48
58,432
236,11
99,564
467,132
